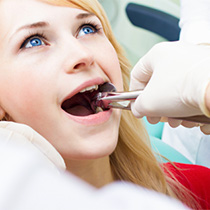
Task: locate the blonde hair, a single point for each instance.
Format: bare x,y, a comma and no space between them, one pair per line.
133,159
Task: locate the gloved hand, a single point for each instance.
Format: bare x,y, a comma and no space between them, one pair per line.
173,77
23,135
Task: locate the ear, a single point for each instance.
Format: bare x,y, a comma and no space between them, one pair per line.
2,113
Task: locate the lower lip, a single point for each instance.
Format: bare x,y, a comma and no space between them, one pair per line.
93,119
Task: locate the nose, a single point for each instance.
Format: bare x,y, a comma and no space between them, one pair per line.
78,57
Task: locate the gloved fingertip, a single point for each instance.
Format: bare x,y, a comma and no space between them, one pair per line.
135,112
189,124
205,129
174,123
153,120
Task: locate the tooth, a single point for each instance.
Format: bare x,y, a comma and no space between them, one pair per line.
91,88
99,109
95,88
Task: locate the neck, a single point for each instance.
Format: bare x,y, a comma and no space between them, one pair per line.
96,172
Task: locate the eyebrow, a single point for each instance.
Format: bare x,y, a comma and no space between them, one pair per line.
46,24
34,25
42,24
84,15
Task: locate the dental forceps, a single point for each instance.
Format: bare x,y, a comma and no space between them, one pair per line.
119,100
122,100
108,97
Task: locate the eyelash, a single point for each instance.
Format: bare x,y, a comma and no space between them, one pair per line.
96,27
31,35
42,35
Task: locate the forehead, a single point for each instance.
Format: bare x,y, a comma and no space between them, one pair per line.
21,12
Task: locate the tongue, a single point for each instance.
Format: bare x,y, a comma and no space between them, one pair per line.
80,110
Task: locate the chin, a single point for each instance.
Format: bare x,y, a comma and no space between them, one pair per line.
92,147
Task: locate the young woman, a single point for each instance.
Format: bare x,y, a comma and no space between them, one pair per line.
54,55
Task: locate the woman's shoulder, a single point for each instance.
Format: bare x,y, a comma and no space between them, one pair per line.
196,178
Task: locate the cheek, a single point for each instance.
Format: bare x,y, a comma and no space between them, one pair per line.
111,65
21,94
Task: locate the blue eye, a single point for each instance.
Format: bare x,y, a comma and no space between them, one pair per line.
87,29
34,42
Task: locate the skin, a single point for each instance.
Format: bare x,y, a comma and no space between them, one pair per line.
34,81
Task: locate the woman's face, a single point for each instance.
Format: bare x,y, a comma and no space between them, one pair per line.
48,55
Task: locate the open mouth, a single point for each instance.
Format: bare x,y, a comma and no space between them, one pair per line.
84,102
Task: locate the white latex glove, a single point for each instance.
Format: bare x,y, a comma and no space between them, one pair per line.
11,132
174,77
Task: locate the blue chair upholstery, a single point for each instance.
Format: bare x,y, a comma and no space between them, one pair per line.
154,20
154,130
167,151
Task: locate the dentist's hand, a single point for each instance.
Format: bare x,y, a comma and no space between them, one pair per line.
174,77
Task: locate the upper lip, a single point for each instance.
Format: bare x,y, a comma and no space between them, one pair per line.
97,81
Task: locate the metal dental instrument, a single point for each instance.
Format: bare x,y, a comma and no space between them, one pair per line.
121,100
109,98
